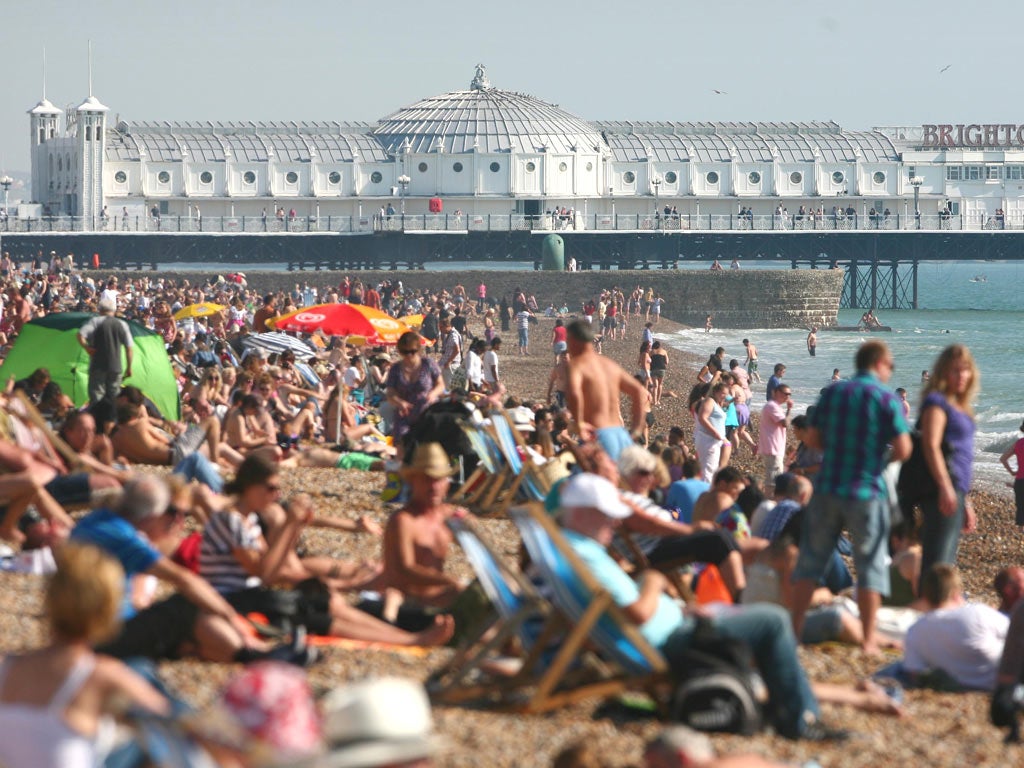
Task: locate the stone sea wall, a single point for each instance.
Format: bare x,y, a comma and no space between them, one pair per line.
780,298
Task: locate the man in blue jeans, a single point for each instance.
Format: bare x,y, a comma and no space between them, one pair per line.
591,508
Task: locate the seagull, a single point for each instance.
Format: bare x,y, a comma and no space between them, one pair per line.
720,93
945,68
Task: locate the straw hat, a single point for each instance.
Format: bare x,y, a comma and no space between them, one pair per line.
429,459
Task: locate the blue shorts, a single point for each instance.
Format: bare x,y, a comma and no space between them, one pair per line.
822,625
524,337
70,490
868,524
614,440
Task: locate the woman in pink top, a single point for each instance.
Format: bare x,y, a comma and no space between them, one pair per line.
1017,449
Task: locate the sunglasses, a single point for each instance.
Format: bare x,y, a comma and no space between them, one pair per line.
272,487
408,351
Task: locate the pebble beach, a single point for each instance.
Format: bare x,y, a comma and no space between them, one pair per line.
937,730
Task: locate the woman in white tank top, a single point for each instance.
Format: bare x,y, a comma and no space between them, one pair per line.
56,699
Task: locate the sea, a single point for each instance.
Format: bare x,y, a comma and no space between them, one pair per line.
980,304
974,303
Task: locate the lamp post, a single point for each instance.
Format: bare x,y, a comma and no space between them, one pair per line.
916,182
656,183
6,182
403,182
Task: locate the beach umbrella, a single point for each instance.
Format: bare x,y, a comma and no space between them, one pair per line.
51,342
413,321
205,309
274,341
343,320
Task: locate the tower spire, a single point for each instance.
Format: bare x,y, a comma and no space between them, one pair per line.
90,69
44,74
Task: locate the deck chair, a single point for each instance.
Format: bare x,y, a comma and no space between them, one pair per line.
595,620
519,612
484,483
528,478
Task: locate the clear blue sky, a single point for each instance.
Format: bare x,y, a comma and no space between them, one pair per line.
861,64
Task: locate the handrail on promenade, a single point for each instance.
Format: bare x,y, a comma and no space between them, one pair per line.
460,222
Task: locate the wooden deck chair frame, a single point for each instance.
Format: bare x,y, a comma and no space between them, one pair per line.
639,664
639,559
535,486
479,491
514,601
503,434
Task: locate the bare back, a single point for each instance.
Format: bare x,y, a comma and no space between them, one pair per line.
594,382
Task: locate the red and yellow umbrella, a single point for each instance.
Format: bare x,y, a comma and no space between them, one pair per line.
205,309
343,320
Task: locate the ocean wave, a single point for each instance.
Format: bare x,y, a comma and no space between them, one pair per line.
1013,417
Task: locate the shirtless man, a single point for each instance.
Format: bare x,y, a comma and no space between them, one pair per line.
751,360
249,428
558,381
727,486
140,442
812,341
595,384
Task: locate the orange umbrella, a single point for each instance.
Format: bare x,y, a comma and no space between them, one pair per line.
413,321
343,320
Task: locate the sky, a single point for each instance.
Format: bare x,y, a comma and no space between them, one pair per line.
862,64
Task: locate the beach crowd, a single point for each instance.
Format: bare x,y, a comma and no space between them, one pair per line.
165,535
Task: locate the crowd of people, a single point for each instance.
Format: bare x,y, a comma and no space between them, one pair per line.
217,532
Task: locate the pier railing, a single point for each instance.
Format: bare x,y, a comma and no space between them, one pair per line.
461,222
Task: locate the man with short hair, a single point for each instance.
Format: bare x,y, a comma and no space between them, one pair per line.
451,351
264,313
774,381
492,376
103,337
1009,585
595,384
591,508
771,436
854,424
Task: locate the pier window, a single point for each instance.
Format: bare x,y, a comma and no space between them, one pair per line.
531,167
838,177
670,177
120,177
878,177
972,173
1015,173
291,177
796,178
711,178
628,177
993,172
754,178
163,177
495,167
457,167
249,177
376,177
954,173
334,177
206,177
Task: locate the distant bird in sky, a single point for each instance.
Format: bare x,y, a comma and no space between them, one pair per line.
720,93
945,68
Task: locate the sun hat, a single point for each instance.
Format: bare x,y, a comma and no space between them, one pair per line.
430,460
377,722
522,419
589,490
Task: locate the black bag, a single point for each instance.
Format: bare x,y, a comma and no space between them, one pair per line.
915,483
715,690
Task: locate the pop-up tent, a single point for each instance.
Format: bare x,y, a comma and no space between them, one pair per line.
51,342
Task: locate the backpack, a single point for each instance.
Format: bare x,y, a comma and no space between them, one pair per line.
715,690
915,483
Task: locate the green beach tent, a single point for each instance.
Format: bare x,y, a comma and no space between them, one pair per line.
52,342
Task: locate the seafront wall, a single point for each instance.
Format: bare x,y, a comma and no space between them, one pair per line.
780,298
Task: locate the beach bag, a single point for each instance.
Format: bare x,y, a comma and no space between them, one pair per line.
915,483
715,689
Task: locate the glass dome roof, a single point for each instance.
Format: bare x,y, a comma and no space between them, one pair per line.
488,119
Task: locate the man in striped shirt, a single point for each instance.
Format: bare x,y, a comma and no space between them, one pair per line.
859,424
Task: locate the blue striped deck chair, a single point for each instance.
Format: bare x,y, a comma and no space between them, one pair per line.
518,612
528,480
484,483
594,620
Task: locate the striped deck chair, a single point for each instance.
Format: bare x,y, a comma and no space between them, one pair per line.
528,478
518,613
484,483
594,619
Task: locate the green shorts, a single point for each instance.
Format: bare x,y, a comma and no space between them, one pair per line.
356,460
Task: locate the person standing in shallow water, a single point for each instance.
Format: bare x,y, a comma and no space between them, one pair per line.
812,341
1017,449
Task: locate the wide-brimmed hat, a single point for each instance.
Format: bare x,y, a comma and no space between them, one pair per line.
377,722
429,459
523,419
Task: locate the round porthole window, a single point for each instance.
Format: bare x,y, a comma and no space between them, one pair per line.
712,177
163,177
796,177
206,177
249,177
670,177
629,177
422,167
563,167
291,177
120,177
838,177
334,177
531,167
376,178
590,166
457,167
879,177
754,177
495,167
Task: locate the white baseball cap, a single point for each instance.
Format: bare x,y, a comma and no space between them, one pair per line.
589,490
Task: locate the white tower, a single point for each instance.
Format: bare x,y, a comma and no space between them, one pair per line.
90,141
43,123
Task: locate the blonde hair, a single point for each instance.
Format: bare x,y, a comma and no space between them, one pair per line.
940,583
949,358
83,597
